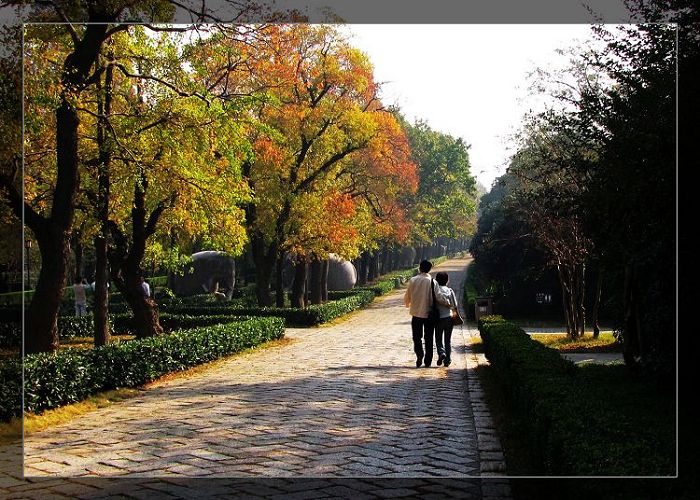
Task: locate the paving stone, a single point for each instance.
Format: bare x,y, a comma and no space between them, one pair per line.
335,407
8,482
492,491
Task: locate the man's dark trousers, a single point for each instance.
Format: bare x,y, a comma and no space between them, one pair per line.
423,329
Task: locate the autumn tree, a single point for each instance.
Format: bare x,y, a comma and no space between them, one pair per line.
52,224
318,111
384,179
163,156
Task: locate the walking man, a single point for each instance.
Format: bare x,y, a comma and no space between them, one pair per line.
419,300
80,296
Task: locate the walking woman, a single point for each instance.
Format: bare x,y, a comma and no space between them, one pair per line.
443,330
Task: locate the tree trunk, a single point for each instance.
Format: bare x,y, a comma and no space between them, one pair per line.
127,257
264,263
373,267
596,303
582,299
384,261
565,300
279,285
299,285
324,280
632,347
54,238
145,309
101,312
41,328
364,264
577,300
315,286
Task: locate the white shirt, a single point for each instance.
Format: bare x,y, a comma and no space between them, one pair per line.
418,297
445,311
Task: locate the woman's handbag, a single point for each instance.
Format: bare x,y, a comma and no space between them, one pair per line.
457,319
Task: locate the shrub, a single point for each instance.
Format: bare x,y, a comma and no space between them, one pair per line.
10,388
593,420
10,334
469,300
68,327
389,281
75,326
124,323
294,316
381,287
70,375
155,281
53,380
334,309
137,362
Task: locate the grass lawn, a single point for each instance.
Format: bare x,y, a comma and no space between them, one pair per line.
605,342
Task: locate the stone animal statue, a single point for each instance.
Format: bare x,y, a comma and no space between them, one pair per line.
208,272
342,274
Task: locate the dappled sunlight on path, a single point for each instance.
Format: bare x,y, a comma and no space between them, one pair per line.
343,400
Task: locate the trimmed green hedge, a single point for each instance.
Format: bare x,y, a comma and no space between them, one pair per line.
124,323
71,375
389,281
583,421
312,315
197,315
68,327
10,388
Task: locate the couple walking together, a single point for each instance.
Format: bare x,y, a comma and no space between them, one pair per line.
420,295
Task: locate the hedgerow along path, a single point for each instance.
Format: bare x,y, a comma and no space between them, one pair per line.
338,401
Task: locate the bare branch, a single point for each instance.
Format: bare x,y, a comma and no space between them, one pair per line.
125,71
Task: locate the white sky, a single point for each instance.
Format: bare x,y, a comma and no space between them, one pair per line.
469,81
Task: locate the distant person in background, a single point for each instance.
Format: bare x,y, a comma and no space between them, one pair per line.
443,330
79,293
145,287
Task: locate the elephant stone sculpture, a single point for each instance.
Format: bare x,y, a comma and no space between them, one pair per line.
342,274
208,272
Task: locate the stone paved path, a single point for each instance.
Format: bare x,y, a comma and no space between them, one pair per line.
341,401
